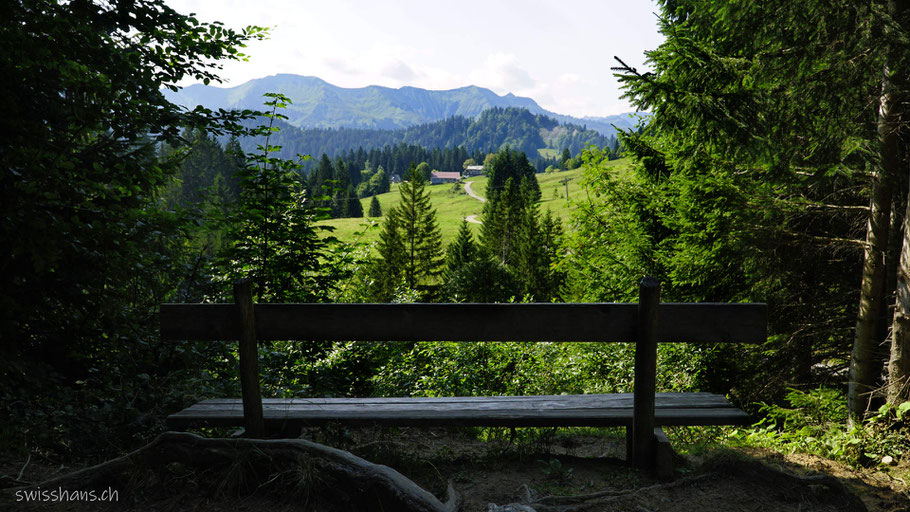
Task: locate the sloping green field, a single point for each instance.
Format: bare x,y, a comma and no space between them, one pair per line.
452,204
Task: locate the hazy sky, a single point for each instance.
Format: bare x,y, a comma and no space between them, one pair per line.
557,52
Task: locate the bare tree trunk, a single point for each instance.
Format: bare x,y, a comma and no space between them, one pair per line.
865,365
899,364
898,389
892,260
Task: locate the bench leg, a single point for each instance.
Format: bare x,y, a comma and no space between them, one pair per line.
663,455
629,443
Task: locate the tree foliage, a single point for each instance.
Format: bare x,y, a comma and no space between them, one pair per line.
513,234
274,240
83,110
89,247
752,173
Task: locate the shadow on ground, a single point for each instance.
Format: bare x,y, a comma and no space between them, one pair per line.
540,473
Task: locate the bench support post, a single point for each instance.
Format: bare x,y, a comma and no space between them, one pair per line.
645,373
249,361
663,455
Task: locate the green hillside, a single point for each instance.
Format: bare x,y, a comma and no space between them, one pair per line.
452,204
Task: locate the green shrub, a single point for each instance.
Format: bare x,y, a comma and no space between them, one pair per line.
816,423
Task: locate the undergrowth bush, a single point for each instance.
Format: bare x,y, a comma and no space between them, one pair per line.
816,422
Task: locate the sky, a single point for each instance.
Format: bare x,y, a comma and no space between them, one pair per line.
558,52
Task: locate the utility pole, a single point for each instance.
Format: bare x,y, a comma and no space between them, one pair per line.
565,181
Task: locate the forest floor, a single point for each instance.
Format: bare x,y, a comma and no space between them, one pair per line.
552,471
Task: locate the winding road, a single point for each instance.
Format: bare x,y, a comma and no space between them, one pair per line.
467,188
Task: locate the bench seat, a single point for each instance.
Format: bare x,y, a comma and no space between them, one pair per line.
603,410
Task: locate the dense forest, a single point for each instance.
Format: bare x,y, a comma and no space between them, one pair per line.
492,130
773,169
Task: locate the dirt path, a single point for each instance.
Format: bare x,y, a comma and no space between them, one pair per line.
467,188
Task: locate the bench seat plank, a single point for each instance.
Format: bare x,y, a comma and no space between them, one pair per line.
529,411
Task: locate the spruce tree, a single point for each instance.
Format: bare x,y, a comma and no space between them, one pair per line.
375,208
319,181
462,250
353,207
418,264
771,137
472,275
386,270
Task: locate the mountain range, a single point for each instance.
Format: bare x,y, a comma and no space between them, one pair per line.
319,104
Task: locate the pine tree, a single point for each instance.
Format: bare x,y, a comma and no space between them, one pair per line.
387,269
320,181
354,208
462,250
413,222
375,208
564,158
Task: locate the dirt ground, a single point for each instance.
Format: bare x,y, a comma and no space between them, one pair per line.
542,471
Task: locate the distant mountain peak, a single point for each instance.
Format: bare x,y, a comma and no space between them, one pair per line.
316,103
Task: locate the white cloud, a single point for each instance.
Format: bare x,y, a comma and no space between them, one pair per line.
398,70
569,78
340,65
503,72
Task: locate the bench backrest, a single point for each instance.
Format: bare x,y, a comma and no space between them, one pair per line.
606,322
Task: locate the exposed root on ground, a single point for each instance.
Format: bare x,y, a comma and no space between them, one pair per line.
311,474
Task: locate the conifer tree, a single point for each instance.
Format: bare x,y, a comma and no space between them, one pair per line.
353,207
768,119
471,275
375,208
319,180
503,214
419,263
462,250
386,270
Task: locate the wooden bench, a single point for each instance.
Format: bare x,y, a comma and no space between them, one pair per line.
642,412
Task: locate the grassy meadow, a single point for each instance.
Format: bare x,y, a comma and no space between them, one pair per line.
452,204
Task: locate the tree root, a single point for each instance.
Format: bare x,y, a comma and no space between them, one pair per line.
314,475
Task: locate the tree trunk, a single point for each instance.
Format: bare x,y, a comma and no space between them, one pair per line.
898,389
865,365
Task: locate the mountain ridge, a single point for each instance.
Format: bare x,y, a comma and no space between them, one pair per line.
316,103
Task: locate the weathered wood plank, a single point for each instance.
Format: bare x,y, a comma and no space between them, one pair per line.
591,418
610,400
606,322
566,410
